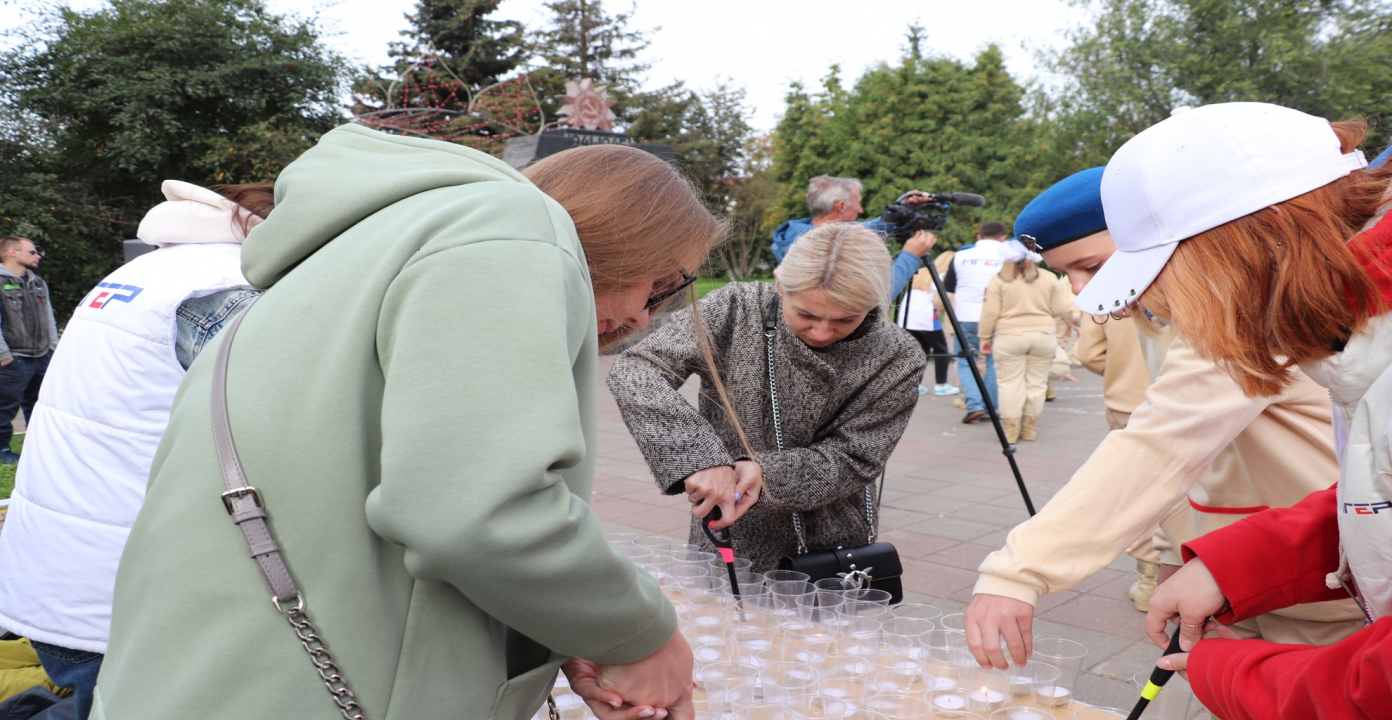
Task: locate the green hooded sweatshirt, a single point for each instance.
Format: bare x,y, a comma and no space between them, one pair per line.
414,397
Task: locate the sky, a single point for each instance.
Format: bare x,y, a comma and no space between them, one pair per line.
762,45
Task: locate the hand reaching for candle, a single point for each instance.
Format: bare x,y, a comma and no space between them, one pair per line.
992,617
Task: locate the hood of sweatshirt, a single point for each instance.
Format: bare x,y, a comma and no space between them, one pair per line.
785,234
191,215
352,173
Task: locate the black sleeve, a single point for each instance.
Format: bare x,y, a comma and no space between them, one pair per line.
950,280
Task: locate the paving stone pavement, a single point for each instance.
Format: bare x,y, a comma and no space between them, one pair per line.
949,500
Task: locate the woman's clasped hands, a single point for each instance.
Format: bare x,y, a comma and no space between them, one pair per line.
734,489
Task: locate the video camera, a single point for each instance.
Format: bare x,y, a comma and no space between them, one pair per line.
931,216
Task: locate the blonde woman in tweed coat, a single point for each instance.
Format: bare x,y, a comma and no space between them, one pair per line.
847,384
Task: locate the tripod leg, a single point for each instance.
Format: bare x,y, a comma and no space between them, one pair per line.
969,354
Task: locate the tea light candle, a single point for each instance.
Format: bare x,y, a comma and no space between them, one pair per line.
1026,714
1053,696
1020,686
949,701
986,699
943,683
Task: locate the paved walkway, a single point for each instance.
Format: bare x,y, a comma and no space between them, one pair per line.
950,499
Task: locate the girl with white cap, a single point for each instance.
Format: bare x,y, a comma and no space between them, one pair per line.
1264,260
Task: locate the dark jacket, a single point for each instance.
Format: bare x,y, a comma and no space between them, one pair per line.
843,408
26,315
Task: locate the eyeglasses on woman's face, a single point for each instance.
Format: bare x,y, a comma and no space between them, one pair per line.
661,296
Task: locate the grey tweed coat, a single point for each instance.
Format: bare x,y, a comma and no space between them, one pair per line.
844,409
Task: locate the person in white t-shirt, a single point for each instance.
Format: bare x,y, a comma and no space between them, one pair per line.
972,269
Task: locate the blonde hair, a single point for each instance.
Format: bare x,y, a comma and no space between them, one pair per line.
847,262
632,210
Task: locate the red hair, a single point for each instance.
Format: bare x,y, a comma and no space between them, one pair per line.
1280,286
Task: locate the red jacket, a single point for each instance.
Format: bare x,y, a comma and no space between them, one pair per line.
1272,560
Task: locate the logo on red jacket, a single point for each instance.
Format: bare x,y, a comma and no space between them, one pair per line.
112,292
1367,508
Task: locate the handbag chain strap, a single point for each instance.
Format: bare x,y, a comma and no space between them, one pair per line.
771,329
243,502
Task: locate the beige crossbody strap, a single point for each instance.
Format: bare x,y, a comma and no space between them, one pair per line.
243,502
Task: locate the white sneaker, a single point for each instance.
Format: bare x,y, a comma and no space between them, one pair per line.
922,390
944,390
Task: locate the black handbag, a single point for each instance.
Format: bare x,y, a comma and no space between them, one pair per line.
874,565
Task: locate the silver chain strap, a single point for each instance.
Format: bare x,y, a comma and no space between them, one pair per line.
323,662
778,438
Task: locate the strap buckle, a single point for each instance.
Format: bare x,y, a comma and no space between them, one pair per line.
245,490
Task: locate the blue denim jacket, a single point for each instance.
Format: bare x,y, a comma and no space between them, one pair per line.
199,319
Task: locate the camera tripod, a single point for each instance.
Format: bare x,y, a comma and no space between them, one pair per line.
969,354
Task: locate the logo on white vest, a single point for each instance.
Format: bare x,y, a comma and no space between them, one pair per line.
114,292
1367,508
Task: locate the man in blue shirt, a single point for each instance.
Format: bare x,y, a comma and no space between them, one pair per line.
832,200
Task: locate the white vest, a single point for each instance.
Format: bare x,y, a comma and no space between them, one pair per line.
1360,382
102,410
922,314
974,267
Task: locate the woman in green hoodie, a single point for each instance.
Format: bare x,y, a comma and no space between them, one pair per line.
414,399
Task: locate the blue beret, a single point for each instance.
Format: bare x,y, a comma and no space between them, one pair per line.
1068,211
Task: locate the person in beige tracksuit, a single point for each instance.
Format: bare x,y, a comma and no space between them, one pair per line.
1114,350
1018,325
1195,456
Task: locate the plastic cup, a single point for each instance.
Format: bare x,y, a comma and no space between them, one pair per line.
732,673
819,706
722,651
786,592
636,553
816,638
1024,679
1173,701
781,682
850,688
858,636
955,621
907,627
937,646
916,610
1019,712
1067,656
706,625
861,608
757,630
787,654
820,606
987,690
700,558
621,538
899,706
774,576
709,698
951,701
902,675
766,711
832,585
879,597
848,666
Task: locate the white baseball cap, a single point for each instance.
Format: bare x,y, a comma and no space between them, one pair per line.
1196,170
